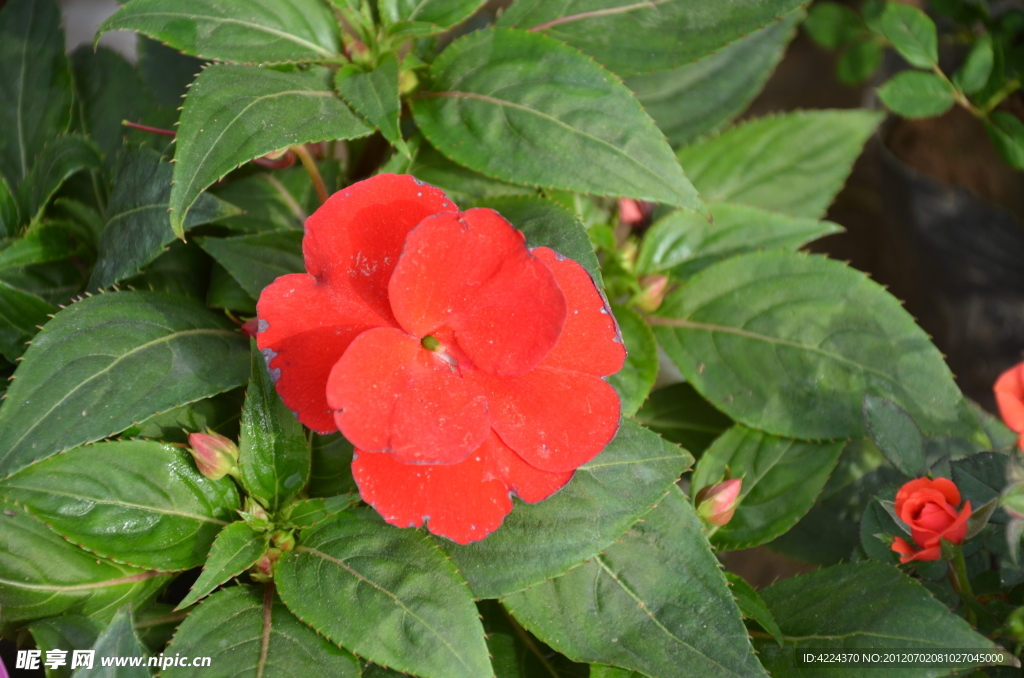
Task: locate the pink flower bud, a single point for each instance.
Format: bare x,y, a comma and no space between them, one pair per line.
654,287
215,455
717,503
630,212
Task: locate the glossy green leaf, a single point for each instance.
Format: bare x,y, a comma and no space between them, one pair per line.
460,183
915,94
257,260
56,162
525,108
860,60
912,33
261,32
606,496
894,433
274,456
136,502
680,414
977,68
117,640
860,606
137,228
386,594
110,90
440,13
789,344
35,83
374,95
21,315
233,114
1007,134
636,378
781,479
331,468
655,602
702,96
793,163
234,551
154,351
832,25
248,633
68,632
42,575
684,244
310,512
751,606
639,37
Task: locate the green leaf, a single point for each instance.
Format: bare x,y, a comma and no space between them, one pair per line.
702,96
1006,132
684,244
751,605
679,414
21,315
525,108
894,433
980,479
225,292
912,33
310,512
267,31
374,95
56,162
440,13
655,602
35,83
137,228
67,632
513,652
639,37
49,241
117,640
110,90
331,472
273,457
182,270
219,413
860,60
602,671
789,344
832,25
636,378
878,526
460,183
386,594
43,575
166,72
973,75
154,351
915,94
233,114
248,633
234,551
9,218
257,260
605,496
793,163
136,502
860,606
266,204
781,479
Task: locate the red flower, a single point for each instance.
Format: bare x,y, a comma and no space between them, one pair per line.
461,365
929,508
1009,389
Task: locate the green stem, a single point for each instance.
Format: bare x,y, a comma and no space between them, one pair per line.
311,169
962,583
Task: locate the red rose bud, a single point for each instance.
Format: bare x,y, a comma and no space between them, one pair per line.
653,294
716,504
215,455
929,508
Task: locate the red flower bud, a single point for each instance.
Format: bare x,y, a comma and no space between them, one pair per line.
716,504
929,508
215,455
654,287
630,212
1009,390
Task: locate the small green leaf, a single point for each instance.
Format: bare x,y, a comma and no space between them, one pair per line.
248,633
386,594
878,527
234,551
977,68
606,496
233,114
912,33
439,14
56,162
257,260
914,94
639,599
274,456
679,414
1007,134
832,25
68,632
117,640
751,605
374,95
310,512
267,31
894,433
781,480
636,378
155,351
21,315
793,163
860,60
35,84
525,108
44,575
136,502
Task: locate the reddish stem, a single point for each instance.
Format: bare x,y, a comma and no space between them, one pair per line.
147,128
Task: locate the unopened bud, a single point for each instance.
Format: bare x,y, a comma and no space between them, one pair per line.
215,455
283,539
716,504
630,212
654,287
263,570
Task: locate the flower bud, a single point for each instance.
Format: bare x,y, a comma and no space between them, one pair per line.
630,212
263,569
283,539
653,293
717,503
215,455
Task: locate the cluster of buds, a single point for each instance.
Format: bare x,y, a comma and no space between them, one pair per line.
215,455
716,504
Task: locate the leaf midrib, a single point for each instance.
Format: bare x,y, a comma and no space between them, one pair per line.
83,587
109,502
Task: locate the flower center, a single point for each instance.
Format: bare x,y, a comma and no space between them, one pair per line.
430,343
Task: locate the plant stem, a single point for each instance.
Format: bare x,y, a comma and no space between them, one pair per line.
962,583
312,171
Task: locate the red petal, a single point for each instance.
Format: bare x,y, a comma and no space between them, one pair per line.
530,484
1009,390
590,341
473,273
354,240
304,328
392,395
462,502
556,420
